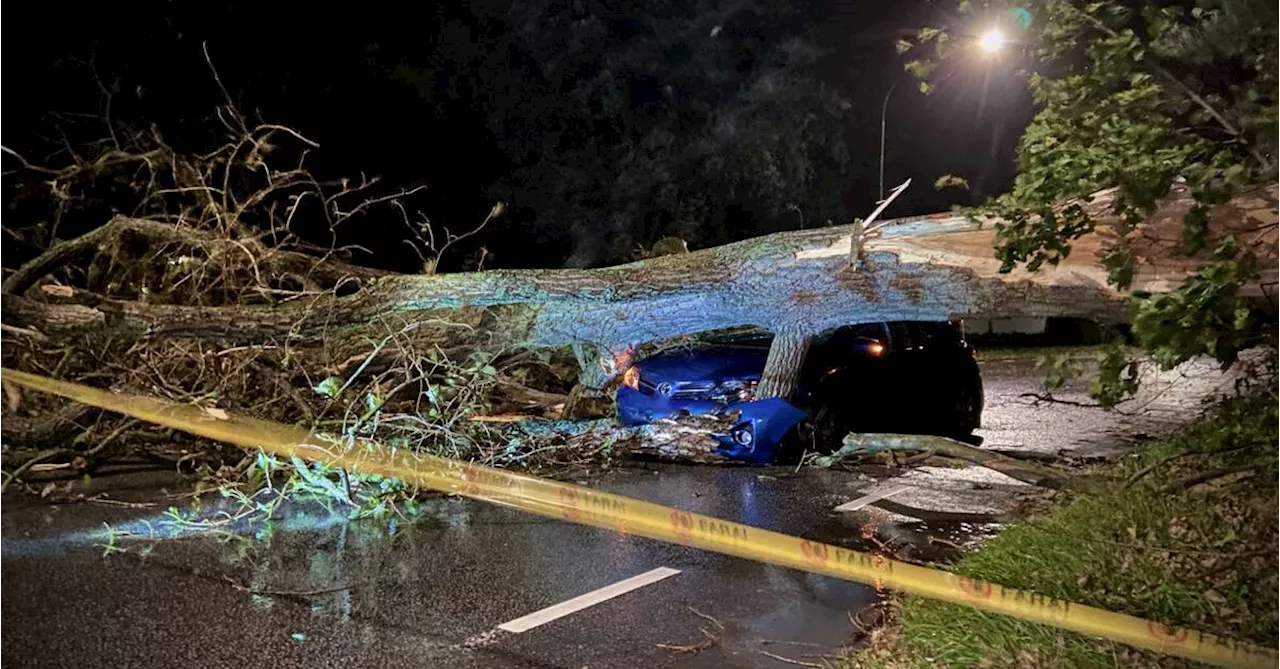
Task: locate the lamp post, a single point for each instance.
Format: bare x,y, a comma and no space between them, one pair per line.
884,109
991,42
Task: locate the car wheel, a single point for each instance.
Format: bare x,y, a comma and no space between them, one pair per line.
965,419
823,431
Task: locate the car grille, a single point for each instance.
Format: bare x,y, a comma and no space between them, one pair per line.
681,391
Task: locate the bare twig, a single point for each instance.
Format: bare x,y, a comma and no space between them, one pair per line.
789,660
706,617
25,332
293,593
106,441
231,105
1202,477
26,165
1152,467
38,458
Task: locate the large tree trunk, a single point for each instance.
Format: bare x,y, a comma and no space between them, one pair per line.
782,367
797,284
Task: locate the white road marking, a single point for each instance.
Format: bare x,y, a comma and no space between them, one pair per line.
570,606
873,497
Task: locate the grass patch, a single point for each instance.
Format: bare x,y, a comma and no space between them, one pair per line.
1186,535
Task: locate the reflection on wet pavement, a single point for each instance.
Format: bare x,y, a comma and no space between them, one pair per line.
432,589
1013,422
111,586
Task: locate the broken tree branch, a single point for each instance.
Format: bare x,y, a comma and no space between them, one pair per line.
857,445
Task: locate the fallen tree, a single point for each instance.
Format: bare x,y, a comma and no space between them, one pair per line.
205,295
796,284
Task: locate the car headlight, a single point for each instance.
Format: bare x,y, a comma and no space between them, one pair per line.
729,392
631,378
743,435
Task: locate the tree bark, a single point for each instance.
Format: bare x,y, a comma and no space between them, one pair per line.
782,367
797,283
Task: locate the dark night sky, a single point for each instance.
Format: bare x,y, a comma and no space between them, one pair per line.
309,68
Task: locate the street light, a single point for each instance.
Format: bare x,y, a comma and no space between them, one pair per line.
884,109
990,42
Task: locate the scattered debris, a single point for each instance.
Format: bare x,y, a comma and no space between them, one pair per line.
789,660
711,640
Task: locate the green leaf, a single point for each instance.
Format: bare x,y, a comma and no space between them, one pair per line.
903,46
329,387
920,68
927,34
951,181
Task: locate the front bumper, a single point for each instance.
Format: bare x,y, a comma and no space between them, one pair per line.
754,437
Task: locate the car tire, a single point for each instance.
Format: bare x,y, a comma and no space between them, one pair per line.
965,418
823,431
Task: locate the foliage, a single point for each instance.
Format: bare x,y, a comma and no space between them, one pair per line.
1141,98
213,230
951,181
1185,536
626,126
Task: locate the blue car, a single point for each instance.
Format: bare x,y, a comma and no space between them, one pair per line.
909,377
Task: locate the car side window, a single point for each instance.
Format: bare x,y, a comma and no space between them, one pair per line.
868,331
904,339
935,335
845,343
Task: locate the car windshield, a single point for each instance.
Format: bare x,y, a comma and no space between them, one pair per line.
744,336
759,337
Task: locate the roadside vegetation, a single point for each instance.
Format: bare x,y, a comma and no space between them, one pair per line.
213,226
1185,534
1132,104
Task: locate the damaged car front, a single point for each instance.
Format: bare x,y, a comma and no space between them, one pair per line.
913,377
719,381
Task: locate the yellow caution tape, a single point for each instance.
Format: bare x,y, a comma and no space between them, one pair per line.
578,504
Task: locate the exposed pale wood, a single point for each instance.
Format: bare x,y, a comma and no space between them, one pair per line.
860,444
927,268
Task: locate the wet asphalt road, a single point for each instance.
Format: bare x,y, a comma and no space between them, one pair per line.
1013,420
426,594
431,593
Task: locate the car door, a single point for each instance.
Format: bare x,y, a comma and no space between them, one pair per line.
853,366
904,363
924,361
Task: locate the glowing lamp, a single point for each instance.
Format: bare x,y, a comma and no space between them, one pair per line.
992,41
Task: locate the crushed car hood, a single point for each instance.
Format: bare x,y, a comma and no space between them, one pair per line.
712,364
